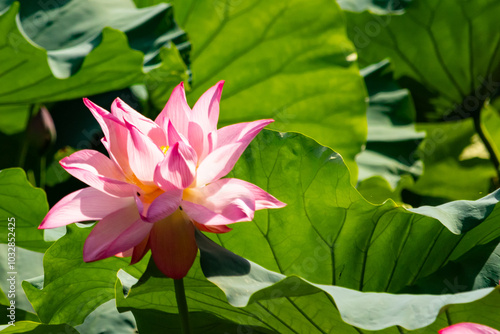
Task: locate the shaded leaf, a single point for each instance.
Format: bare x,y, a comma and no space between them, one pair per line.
448,175
392,139
156,322
444,86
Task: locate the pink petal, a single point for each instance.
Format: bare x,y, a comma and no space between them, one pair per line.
124,112
115,233
163,206
468,328
245,132
143,155
98,171
173,136
86,204
173,245
198,140
98,113
127,253
263,200
206,110
115,143
178,168
176,110
212,228
140,250
231,142
218,163
212,142
230,198
115,135
204,216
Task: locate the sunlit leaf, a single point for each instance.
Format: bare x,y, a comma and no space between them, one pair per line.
290,61
24,207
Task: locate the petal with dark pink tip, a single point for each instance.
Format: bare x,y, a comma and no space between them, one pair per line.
206,109
98,114
173,136
263,200
124,112
240,132
86,204
176,110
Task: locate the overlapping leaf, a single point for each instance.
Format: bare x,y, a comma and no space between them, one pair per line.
70,29
329,235
26,76
446,52
67,54
391,148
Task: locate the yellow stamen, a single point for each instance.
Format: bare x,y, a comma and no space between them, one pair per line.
164,149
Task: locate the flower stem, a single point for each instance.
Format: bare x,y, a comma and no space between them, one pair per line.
487,141
180,296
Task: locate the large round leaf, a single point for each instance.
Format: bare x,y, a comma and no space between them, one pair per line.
329,235
286,60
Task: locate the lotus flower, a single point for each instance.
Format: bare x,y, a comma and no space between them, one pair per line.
468,328
162,180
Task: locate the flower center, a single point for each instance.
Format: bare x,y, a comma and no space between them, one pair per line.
164,149
151,196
